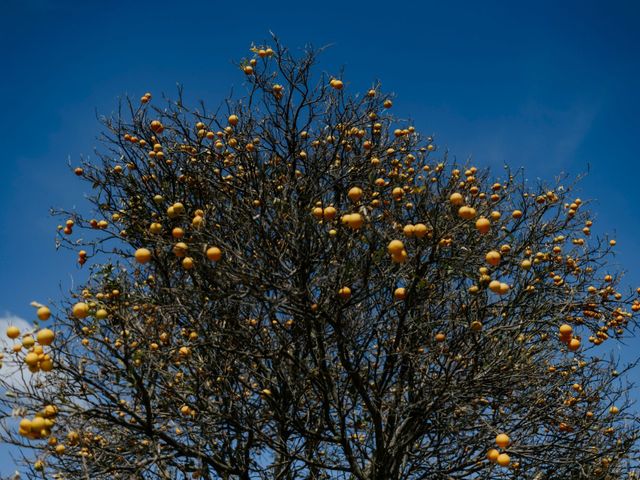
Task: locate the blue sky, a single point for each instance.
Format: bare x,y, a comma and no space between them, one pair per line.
550,86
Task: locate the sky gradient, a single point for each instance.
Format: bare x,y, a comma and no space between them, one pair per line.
550,86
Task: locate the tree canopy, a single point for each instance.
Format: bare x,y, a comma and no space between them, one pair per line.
298,285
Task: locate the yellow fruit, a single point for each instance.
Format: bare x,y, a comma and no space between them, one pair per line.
493,455
420,230
494,286
355,194
180,249
13,331
408,230
493,258
456,199
37,425
344,293
233,120
503,460
31,359
187,263
214,254
503,440
400,293
143,255
317,212
101,314
467,213
566,330
329,213
43,313
395,247
516,214
353,220
80,310
574,344
45,336
483,225
28,341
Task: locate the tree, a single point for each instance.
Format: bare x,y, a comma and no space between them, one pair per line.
299,286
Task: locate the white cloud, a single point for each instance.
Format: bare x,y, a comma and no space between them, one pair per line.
10,372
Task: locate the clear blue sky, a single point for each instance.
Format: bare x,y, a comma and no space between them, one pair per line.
552,86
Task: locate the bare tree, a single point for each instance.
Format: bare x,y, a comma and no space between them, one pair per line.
299,286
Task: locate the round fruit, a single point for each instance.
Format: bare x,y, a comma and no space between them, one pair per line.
400,293
493,258
395,247
355,193
503,460
566,330
344,293
43,313
493,455
483,225
143,255
13,331
45,336
456,199
80,310
503,440
467,213
214,254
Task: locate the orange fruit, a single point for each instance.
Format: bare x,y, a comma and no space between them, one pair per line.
156,126
493,258
43,313
456,199
45,336
420,230
329,213
80,310
355,193
344,293
143,255
214,254
395,247
574,344
493,455
503,440
503,460
180,249
354,221
400,293
566,330
483,225
187,263
13,331
233,120
467,213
